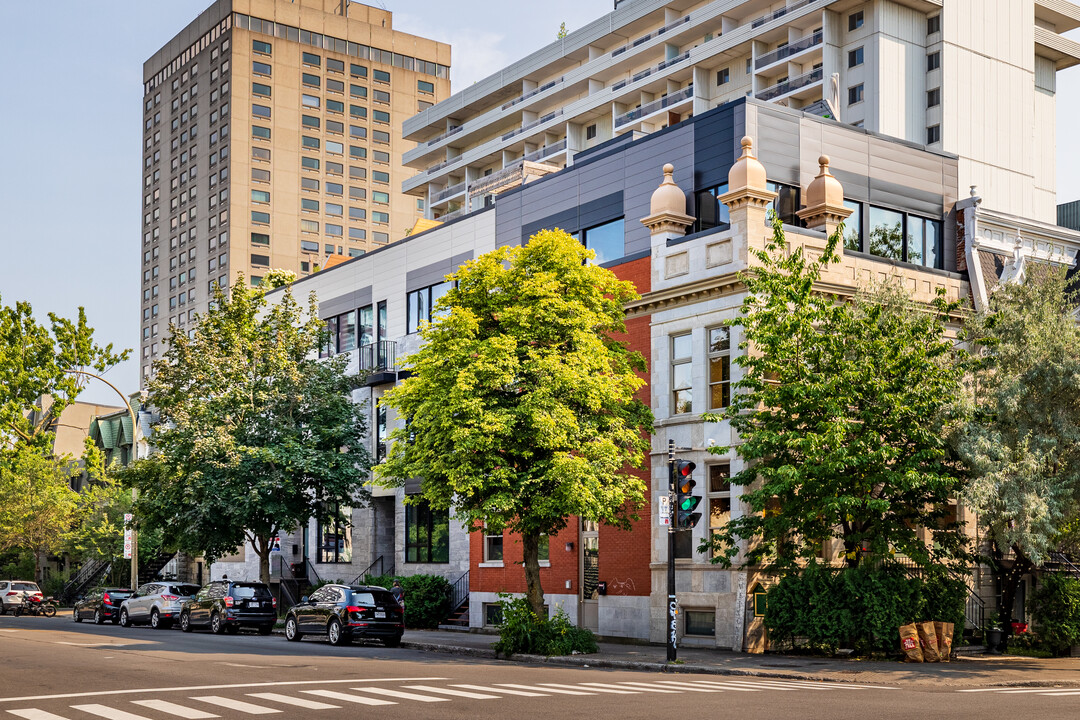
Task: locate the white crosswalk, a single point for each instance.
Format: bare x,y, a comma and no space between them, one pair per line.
1047,691
197,707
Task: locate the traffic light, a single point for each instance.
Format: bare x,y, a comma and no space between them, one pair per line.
686,503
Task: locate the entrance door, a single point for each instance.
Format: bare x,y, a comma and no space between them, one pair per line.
589,615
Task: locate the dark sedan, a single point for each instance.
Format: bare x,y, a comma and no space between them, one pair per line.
101,604
226,606
344,612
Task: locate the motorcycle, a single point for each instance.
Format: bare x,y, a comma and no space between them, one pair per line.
35,605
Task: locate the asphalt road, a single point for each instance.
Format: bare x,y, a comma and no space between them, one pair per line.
52,668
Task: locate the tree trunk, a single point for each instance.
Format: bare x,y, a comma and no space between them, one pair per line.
534,593
263,544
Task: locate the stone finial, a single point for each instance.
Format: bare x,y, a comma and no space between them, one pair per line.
747,184
824,200
667,209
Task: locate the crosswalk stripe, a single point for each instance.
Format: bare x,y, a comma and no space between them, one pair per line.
505,691
173,709
1029,690
729,686
298,702
335,695
452,692
688,685
402,695
557,691
1056,694
990,689
642,687
624,691
688,688
109,713
35,714
238,705
756,685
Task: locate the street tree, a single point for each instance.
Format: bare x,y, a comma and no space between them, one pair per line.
1023,439
36,363
521,403
255,434
842,415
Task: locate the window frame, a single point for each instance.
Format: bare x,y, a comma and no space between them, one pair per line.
420,516
341,529
686,392
724,354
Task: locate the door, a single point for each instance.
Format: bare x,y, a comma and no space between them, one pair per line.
309,618
137,604
589,615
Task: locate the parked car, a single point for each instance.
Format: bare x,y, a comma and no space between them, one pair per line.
156,604
344,612
227,606
12,592
100,604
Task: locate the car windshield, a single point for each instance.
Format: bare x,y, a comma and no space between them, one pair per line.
184,590
250,591
372,598
32,587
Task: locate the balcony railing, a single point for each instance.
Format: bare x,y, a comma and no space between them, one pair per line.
379,356
791,85
530,126
648,109
759,21
788,50
448,192
534,91
646,38
546,152
452,131
649,71
440,166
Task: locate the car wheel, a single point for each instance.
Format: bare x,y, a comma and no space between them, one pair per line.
217,625
75,615
125,619
266,629
185,622
292,630
99,618
336,634
155,620
392,642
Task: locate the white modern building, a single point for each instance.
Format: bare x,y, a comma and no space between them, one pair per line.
974,78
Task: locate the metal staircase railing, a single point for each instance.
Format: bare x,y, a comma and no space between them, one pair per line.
459,592
89,574
378,563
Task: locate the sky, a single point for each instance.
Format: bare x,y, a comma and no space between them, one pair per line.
71,136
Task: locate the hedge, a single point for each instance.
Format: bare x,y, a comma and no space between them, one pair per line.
427,597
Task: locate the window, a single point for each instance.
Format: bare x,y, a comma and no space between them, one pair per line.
380,177
357,234
309,205
681,374
723,77
260,68
358,91
310,121
381,116
923,242
933,134
260,175
335,106
256,239
357,193
309,246
335,536
492,614
263,133
334,188
380,136
256,261
853,226
493,547
420,305
855,57
590,132
381,237
261,47
332,230
933,24
334,168
701,623
260,217
334,148
260,89
380,217
606,241
310,80
855,21
309,163
334,86
309,226
311,101
358,111
357,70
719,495
308,183
381,96
260,111
855,94
933,97
786,204
933,61
311,59
381,76
719,368
380,422
425,87
261,196
427,533
335,66
380,197
886,233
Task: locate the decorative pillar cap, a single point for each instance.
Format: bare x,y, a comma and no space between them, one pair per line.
747,173
667,208
824,200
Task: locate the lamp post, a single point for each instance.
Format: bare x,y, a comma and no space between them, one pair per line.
135,456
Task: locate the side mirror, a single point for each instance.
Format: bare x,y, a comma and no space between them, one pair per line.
304,599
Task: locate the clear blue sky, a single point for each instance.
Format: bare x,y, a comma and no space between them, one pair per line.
70,136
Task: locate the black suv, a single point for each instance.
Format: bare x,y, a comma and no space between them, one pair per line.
344,612
101,604
227,606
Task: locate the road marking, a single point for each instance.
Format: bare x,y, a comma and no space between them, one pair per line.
688,685
1057,694
688,688
282,683
522,693
108,712
452,692
402,695
11,630
32,714
238,705
1035,690
642,687
259,667
751,685
557,691
334,695
623,691
298,702
993,689
726,686
173,709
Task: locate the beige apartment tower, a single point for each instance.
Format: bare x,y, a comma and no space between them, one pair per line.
272,139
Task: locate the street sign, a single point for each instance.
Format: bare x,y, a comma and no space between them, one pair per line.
129,535
665,510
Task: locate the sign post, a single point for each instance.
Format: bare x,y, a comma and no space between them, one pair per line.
129,539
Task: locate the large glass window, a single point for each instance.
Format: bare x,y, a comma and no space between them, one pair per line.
719,368
853,226
681,373
710,211
606,241
335,536
719,498
493,547
786,204
427,533
420,305
886,233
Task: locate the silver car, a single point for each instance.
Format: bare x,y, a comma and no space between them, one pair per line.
13,591
156,604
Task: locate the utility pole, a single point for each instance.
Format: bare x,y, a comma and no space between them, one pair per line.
672,624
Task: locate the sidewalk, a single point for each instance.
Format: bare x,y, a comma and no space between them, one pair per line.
977,671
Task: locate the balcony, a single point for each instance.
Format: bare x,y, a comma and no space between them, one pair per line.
646,38
777,14
546,152
531,93
530,126
687,93
449,133
379,360
447,193
649,71
518,173
788,50
791,85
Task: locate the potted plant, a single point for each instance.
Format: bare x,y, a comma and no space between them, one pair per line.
993,635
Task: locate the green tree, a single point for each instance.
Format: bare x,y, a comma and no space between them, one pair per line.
35,361
277,278
1023,440
256,435
842,413
521,401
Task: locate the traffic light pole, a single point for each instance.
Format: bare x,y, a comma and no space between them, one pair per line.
672,624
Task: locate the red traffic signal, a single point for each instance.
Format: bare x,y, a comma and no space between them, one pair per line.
684,468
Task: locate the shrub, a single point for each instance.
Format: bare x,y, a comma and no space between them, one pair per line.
521,631
427,597
1055,609
823,609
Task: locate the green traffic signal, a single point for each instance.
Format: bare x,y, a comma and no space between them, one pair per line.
686,503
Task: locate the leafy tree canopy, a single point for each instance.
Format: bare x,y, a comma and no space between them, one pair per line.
842,413
256,435
521,401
